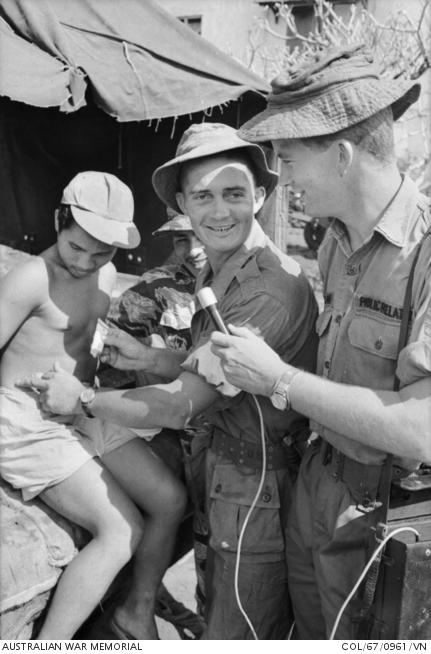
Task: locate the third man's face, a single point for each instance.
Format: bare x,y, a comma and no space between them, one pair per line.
221,199
189,250
311,172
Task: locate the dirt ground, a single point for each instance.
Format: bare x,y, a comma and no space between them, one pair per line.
180,580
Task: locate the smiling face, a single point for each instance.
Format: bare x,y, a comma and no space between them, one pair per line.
189,250
80,253
220,197
311,172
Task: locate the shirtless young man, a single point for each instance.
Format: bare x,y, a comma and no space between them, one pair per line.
93,473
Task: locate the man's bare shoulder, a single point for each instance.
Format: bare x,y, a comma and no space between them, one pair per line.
26,280
23,291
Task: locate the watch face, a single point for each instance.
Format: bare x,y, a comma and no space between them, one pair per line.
279,400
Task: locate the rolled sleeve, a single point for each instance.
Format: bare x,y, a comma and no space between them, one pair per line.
207,365
284,330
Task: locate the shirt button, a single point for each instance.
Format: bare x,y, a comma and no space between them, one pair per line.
217,489
378,344
266,497
338,318
327,365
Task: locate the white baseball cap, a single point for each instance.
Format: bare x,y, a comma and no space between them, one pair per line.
103,206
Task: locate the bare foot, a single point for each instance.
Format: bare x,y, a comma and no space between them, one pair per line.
128,627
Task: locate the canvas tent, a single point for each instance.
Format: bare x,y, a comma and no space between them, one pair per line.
105,85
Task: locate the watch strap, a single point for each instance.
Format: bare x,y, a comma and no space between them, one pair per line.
283,384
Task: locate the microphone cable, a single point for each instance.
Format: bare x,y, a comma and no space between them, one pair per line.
208,302
247,518
364,572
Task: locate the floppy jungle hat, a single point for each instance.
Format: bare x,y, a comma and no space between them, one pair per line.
103,206
178,223
340,88
203,140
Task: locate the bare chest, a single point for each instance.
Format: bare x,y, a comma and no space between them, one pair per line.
73,307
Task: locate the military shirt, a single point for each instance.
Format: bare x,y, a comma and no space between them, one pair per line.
265,290
261,288
364,294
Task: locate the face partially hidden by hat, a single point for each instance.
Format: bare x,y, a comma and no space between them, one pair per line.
188,249
102,205
340,88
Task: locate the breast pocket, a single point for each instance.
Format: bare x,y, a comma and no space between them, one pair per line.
374,336
231,494
374,345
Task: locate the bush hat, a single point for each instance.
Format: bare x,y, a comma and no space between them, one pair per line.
178,223
103,206
340,88
202,140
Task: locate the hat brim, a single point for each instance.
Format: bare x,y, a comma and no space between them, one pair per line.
165,177
179,223
169,230
330,112
112,232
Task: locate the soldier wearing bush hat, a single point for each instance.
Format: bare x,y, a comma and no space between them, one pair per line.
331,123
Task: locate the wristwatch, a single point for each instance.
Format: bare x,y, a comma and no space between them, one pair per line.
87,397
280,396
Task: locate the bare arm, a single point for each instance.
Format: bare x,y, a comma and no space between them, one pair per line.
163,405
125,352
396,422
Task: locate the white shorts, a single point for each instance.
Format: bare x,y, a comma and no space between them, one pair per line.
39,449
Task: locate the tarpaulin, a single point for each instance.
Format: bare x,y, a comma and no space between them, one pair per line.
138,61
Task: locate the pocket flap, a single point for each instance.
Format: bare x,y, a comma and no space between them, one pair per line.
374,336
231,485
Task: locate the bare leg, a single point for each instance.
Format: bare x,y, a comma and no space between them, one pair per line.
93,499
153,487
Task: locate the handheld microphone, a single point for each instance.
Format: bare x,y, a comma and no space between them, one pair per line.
208,301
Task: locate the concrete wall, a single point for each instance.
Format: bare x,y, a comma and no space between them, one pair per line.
234,26
225,23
